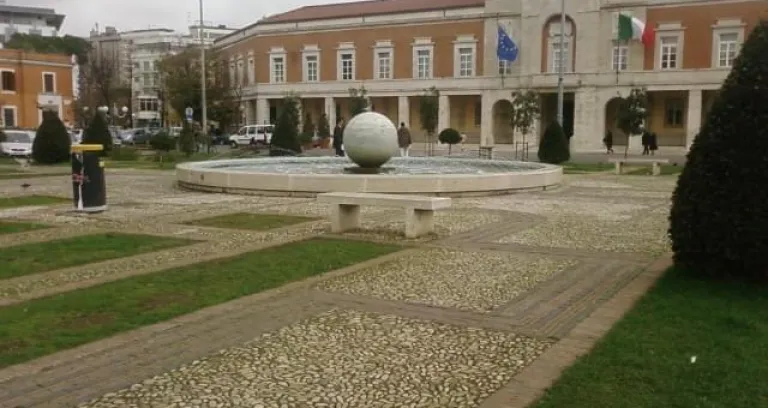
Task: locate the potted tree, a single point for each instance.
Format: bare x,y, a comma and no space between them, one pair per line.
324,131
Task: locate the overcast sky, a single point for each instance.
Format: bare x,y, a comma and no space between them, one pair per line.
81,15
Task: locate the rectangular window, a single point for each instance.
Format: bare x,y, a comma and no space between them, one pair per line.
49,83
278,70
505,68
384,63
668,52
466,62
556,57
146,65
423,64
149,105
620,58
673,113
146,79
727,49
9,117
347,67
9,81
240,73
311,68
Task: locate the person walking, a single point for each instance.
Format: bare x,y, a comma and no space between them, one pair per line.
338,138
608,142
404,139
653,143
646,140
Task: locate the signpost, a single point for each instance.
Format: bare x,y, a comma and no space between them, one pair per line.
189,112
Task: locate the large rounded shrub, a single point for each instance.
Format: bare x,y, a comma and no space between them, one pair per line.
719,217
553,148
52,142
98,132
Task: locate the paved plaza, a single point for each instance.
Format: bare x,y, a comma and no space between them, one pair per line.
484,314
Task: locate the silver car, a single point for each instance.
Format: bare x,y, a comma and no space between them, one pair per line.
17,143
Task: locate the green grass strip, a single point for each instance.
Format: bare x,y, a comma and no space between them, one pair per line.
43,326
250,221
46,256
31,200
645,360
15,227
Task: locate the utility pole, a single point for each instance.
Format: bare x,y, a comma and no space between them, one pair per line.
203,69
561,67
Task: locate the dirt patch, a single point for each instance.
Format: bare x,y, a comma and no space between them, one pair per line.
163,300
85,321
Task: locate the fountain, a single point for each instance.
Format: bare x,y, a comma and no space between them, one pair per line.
370,140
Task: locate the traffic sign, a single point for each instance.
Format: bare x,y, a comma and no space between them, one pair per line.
189,112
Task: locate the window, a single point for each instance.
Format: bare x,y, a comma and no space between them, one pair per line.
556,57
620,58
668,52
146,79
466,62
9,116
673,113
311,68
278,70
424,64
9,81
146,65
505,68
148,104
384,65
347,66
727,49
49,83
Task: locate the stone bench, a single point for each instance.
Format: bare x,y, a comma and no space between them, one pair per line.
419,210
655,163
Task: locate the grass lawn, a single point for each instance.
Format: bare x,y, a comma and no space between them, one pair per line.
645,360
581,168
14,227
43,326
250,221
666,170
39,257
22,175
30,200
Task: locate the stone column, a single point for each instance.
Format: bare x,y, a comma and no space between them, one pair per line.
588,121
262,111
330,111
693,118
486,120
403,111
250,112
444,113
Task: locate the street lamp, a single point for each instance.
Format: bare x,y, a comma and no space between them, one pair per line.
203,67
121,113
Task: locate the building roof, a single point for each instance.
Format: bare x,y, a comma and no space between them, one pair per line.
49,14
367,8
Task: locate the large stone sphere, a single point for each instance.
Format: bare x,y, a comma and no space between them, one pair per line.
370,139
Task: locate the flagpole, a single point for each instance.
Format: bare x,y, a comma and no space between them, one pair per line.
504,69
617,49
561,68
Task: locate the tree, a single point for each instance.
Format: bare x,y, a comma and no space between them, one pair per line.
162,141
67,44
632,114
180,78
450,137
98,132
307,127
429,109
52,142
285,139
101,85
719,215
525,111
323,127
187,143
358,102
553,148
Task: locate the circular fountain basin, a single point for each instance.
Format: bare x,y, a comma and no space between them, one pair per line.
309,176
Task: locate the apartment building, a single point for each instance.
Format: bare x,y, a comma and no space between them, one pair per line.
32,82
398,48
28,20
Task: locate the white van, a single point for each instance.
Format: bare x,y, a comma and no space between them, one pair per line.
259,134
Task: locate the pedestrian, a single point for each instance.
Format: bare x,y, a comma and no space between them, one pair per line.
654,143
404,139
608,141
646,140
338,137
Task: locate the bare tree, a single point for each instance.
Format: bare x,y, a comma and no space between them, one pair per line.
100,83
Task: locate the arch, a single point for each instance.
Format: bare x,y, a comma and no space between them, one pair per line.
545,40
503,133
611,116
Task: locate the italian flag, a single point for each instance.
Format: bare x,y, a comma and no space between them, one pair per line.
631,28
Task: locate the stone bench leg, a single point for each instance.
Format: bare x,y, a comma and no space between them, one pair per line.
618,168
345,217
419,222
656,169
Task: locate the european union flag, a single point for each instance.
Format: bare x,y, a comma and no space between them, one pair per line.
506,49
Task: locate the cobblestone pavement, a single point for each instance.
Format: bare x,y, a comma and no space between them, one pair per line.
465,318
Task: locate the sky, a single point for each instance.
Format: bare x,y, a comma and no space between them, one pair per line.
82,15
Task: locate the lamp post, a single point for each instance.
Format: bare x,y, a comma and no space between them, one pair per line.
561,67
203,103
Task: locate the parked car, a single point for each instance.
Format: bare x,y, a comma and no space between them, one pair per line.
135,136
17,143
252,134
76,136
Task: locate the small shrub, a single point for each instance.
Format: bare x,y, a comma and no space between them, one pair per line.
162,142
187,144
98,133
124,153
2,136
52,142
305,139
553,148
450,137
